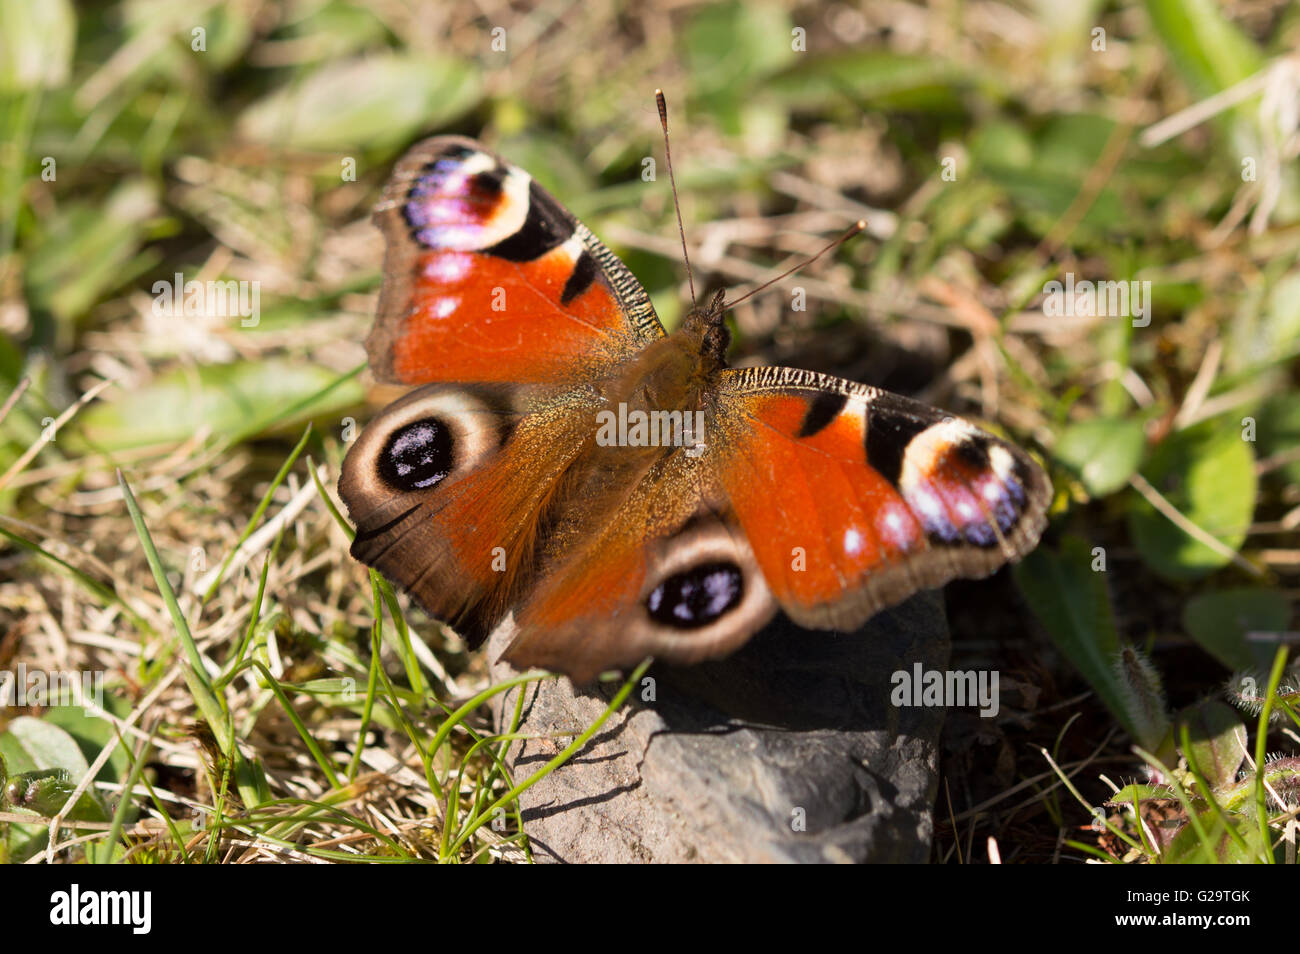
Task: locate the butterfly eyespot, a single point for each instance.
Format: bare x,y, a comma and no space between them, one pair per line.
697,597
417,455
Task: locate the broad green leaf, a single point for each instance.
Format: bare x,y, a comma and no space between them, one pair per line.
1218,740
1104,452
228,400
730,47
92,733
371,103
45,763
880,79
228,29
1263,332
1207,473
1070,600
1187,847
333,30
31,745
1220,622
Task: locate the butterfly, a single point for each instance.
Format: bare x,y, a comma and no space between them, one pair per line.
620,492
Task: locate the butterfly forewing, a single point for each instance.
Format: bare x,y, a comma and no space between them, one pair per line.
855,498
488,278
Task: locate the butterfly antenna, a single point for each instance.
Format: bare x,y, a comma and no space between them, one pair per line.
668,155
858,226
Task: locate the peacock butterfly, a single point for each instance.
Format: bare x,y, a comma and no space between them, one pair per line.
620,491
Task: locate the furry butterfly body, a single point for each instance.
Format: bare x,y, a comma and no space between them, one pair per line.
500,486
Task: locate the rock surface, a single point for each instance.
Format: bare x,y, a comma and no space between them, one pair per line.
728,758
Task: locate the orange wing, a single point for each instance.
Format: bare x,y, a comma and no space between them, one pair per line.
434,485
489,279
855,498
665,572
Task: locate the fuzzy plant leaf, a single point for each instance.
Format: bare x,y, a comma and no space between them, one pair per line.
1187,846
45,764
1066,590
1142,793
1219,743
1248,690
1143,697
1281,783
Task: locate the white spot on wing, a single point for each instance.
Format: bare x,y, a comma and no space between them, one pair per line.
925,449
475,163
1004,465
448,268
570,249
512,211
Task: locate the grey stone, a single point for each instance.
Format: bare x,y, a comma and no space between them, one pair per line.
718,765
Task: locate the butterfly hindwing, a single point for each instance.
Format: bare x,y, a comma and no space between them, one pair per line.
488,278
662,570
446,486
855,498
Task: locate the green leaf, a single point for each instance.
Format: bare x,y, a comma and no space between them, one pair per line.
1218,741
92,733
1104,452
1069,599
876,78
31,746
730,45
1045,174
228,399
1275,334
1220,621
1125,796
333,30
373,103
1211,54
1187,848
229,29
1279,433
1208,474
1208,51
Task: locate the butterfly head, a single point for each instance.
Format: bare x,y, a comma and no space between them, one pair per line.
707,325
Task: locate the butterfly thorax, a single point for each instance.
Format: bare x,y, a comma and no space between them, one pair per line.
649,410
673,373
